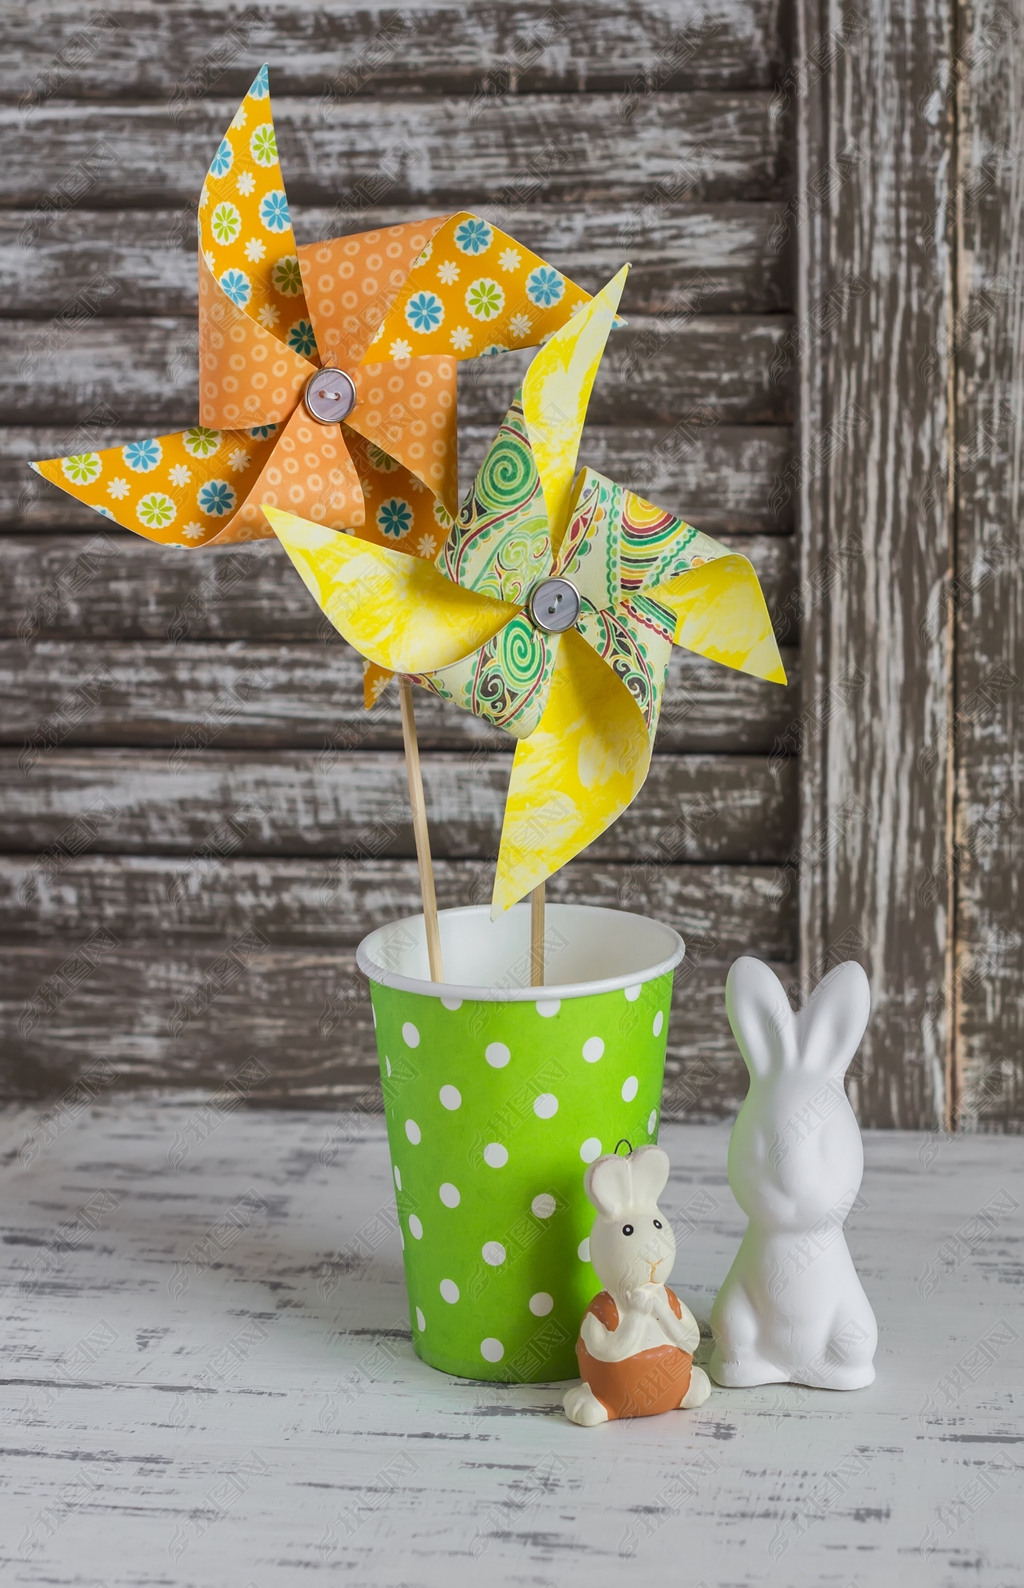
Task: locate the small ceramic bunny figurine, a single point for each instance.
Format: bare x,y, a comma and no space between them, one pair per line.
792,1309
637,1340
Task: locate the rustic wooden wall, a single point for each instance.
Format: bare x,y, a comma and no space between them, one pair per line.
909,315
987,601
197,821
876,307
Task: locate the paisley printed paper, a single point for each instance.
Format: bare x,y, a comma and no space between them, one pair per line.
395,308
583,704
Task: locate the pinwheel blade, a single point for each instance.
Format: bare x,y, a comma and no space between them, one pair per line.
247,375
203,487
351,283
397,611
311,472
556,391
474,289
720,613
515,516
506,681
499,545
185,489
407,410
589,555
256,341
709,597
573,776
398,513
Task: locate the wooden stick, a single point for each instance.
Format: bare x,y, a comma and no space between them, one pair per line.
537,936
420,830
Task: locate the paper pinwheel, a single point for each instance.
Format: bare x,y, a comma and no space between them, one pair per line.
551,611
365,329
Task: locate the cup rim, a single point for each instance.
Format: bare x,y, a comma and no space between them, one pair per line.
468,992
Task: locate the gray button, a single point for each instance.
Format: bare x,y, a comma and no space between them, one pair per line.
329,396
553,605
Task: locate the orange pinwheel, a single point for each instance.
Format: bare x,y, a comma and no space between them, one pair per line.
327,373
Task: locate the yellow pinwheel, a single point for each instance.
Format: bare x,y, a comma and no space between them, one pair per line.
551,610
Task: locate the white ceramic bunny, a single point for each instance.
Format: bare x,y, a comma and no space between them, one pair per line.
792,1309
637,1340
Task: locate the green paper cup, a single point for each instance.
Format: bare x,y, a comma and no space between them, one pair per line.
497,1095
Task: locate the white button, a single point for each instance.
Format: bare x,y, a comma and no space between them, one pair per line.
329,396
553,605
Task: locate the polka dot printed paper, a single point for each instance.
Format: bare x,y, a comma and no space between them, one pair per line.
494,1111
391,308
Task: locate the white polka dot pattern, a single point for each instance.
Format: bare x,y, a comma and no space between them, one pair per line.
494,1114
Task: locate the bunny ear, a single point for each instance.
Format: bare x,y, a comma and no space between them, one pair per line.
761,1018
832,1022
608,1184
648,1169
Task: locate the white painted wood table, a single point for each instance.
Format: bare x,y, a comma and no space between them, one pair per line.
209,1380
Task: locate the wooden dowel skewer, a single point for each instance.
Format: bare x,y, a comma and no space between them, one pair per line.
537,936
420,830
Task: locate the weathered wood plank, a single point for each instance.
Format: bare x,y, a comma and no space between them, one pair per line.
720,258
173,1014
327,904
731,368
400,150
302,696
987,595
874,324
118,587
722,477
732,808
183,52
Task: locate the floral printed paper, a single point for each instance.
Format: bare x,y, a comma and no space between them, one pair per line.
396,309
